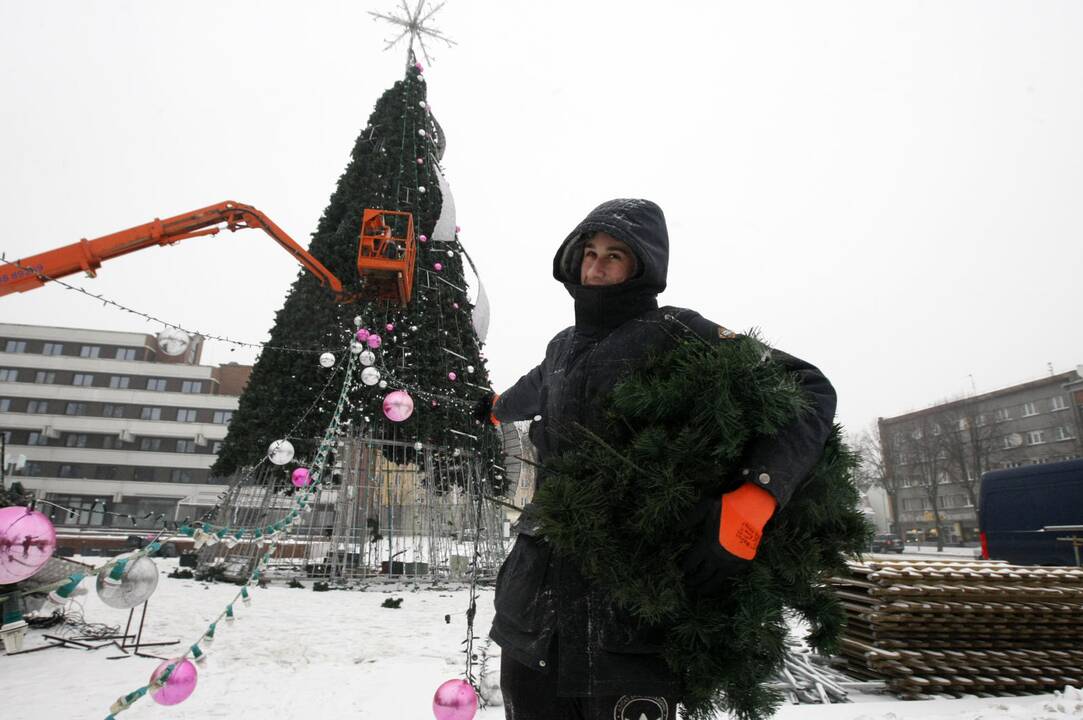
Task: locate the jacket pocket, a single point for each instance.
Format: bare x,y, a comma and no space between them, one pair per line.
521,590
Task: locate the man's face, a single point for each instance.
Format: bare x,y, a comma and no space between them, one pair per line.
606,261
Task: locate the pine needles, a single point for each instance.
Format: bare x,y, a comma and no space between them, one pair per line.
621,503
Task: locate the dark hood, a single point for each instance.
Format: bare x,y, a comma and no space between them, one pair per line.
641,226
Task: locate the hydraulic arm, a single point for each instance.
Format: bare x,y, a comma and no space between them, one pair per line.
88,255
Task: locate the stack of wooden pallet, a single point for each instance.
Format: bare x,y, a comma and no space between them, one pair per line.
959,626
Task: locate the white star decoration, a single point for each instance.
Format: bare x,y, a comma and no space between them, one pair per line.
413,23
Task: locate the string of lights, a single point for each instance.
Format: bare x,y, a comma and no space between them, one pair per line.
271,535
151,318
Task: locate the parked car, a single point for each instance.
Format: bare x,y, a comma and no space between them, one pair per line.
886,542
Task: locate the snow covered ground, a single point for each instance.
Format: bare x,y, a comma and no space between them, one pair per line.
295,653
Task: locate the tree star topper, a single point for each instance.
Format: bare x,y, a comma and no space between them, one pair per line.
413,22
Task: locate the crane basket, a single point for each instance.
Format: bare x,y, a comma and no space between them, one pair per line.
386,255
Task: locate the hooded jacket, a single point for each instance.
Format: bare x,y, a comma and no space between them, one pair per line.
541,596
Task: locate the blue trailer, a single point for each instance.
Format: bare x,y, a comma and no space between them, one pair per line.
1033,515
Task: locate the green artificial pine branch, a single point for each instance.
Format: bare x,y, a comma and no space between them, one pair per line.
618,505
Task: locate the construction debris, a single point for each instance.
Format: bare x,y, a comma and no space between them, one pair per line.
963,626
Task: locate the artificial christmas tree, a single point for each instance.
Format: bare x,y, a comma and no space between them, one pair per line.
427,347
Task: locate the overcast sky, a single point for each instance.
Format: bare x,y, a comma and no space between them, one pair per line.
891,190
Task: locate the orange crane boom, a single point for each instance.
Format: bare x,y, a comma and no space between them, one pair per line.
88,255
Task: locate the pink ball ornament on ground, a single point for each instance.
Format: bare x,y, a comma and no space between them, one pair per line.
362,335
300,477
438,266
27,541
375,341
180,683
455,700
398,405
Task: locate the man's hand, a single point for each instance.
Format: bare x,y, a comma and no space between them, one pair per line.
483,411
732,526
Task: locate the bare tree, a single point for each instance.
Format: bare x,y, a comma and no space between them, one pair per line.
877,469
970,446
925,453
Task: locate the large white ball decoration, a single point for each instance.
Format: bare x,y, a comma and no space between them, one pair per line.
356,347
367,357
370,376
327,359
357,320
280,452
137,584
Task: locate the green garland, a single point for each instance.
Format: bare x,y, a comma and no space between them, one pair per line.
620,504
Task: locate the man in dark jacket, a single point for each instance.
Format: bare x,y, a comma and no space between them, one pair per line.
567,651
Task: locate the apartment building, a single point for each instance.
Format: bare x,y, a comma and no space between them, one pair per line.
934,458
103,421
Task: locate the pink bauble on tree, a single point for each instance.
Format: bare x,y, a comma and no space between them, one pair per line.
438,266
180,683
455,700
398,405
27,541
452,376
374,341
300,477
422,238
362,335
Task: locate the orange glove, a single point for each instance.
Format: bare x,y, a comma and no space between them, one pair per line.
732,527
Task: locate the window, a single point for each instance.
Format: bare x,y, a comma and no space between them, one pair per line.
186,415
53,349
192,386
981,420
1035,437
180,475
90,351
37,406
36,438
15,346
119,382
112,411
1065,433
105,472
150,413
963,424
84,510
150,443
1029,409
42,377
156,384
217,447
69,471
110,442
32,469
125,354
1003,414
83,380
1058,403
143,474
75,440
75,408
186,446
222,417
5,404
9,374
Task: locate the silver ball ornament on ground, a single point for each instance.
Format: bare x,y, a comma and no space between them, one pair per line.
139,581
